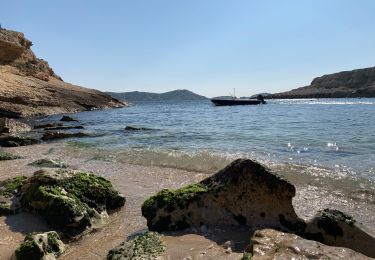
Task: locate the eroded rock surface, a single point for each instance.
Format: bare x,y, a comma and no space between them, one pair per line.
272,244
243,193
37,246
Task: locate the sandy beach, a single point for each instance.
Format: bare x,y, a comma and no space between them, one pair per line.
137,183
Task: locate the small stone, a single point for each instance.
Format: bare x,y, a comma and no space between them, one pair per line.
228,251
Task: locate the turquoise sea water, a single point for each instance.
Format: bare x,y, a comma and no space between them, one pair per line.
334,134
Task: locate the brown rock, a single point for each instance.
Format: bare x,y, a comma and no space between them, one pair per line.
243,193
11,126
272,244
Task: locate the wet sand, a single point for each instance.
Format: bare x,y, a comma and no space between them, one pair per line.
137,183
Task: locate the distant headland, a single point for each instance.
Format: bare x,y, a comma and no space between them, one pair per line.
346,84
175,95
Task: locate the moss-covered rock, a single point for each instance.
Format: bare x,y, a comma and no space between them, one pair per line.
244,193
7,156
9,190
11,186
69,200
40,246
144,246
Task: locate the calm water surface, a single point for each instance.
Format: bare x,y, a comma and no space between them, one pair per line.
336,134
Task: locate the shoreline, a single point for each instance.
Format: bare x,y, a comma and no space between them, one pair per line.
138,182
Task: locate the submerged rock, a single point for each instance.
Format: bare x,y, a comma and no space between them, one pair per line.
14,141
243,193
48,125
64,127
144,246
48,163
68,119
40,246
60,135
68,200
136,128
272,244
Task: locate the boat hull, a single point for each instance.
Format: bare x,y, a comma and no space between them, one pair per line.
236,102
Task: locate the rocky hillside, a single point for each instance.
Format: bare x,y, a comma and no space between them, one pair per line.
29,87
355,83
175,95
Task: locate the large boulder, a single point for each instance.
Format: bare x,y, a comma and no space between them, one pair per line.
68,200
38,246
272,244
243,193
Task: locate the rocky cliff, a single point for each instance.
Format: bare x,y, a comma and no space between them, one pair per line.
29,87
355,83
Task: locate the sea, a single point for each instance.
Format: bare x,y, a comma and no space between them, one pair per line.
319,138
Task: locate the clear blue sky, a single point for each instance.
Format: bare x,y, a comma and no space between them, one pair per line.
207,46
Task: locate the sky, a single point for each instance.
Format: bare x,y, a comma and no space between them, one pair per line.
206,46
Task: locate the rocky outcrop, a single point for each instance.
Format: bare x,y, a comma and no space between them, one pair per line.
355,83
246,193
272,244
144,246
29,87
70,201
243,193
12,126
40,246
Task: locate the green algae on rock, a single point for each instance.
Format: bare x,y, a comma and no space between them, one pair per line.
144,246
40,246
70,200
8,156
